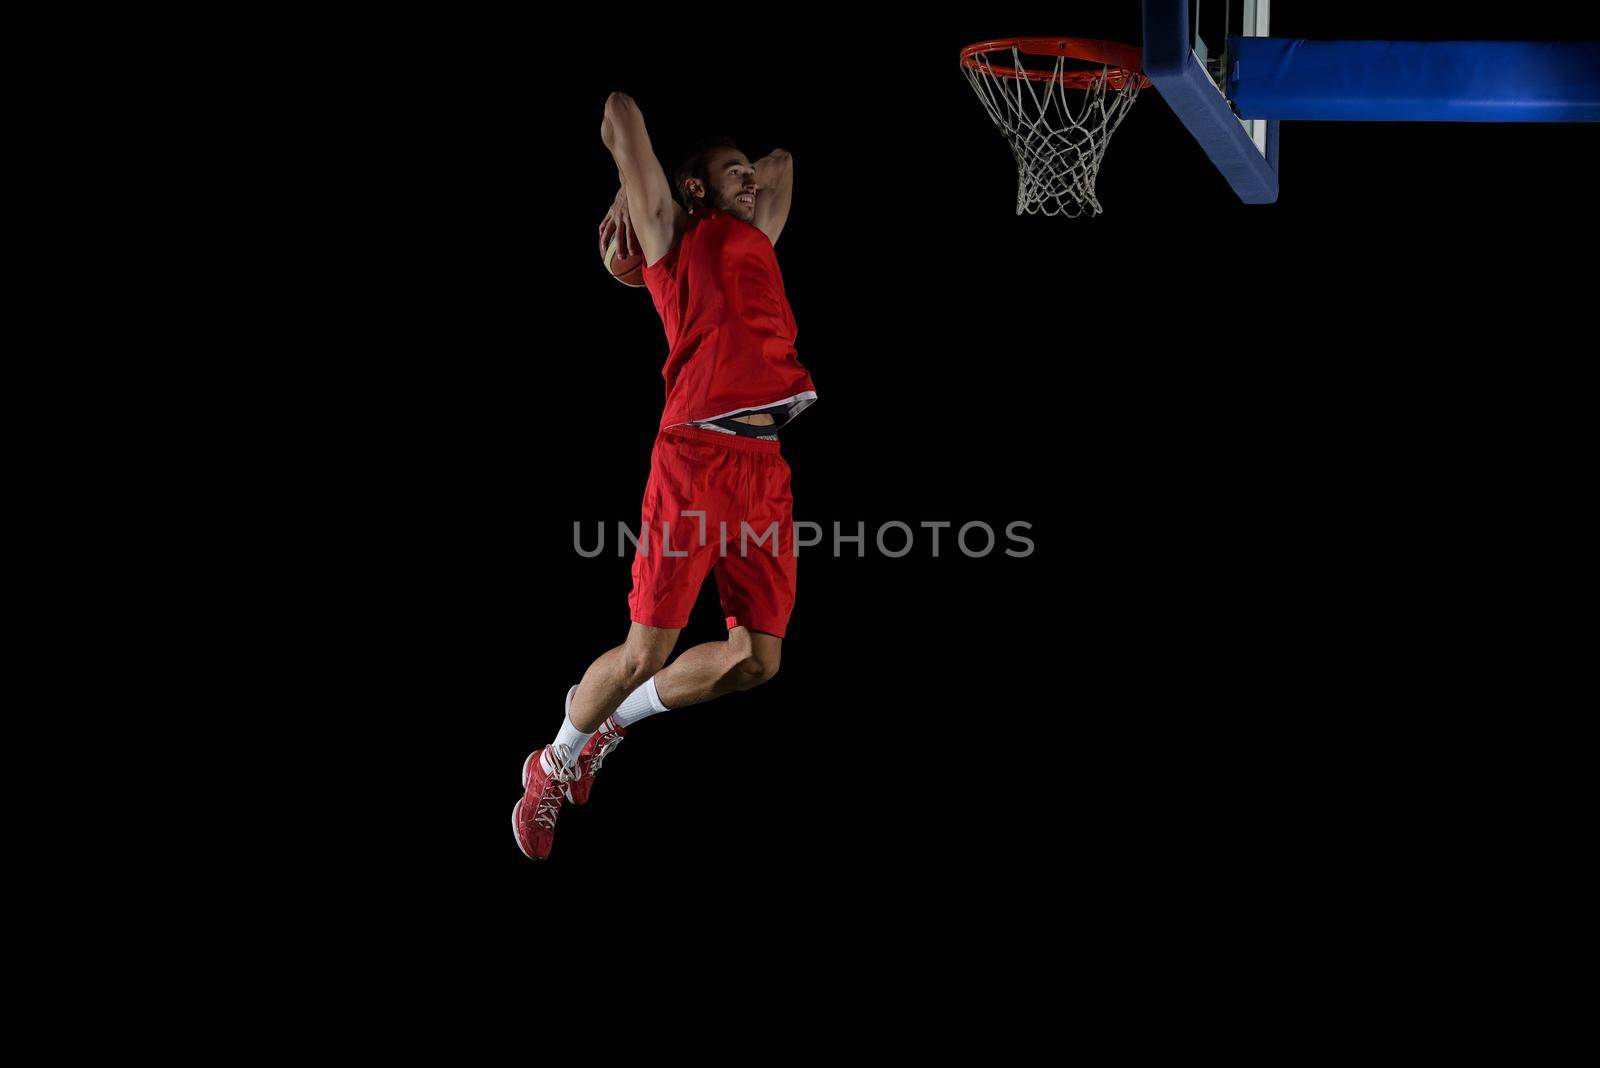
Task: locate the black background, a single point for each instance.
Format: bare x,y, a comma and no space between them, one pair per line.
1232,429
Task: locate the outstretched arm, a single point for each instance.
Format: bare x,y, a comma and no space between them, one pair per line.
775,178
651,209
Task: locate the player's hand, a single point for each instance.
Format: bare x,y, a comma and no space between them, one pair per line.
617,224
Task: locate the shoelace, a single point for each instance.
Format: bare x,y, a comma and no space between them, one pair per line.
609,740
551,796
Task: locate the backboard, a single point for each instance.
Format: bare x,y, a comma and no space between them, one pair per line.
1212,22
1187,55
1230,82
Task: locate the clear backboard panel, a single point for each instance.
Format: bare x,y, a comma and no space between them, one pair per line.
1186,57
1212,22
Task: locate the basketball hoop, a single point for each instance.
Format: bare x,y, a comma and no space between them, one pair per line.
1058,121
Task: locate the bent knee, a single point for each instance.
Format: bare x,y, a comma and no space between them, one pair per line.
638,665
754,670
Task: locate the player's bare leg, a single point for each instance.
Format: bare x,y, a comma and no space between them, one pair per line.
748,658
564,769
619,672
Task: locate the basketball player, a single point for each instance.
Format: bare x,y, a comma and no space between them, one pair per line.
718,484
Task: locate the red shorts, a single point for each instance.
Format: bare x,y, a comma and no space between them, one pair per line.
746,535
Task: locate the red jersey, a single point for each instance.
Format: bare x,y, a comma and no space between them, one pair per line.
731,334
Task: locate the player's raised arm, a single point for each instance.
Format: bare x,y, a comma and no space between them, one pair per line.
775,177
652,210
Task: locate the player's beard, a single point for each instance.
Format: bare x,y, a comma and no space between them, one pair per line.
732,206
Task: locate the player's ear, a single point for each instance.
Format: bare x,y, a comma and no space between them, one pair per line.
696,190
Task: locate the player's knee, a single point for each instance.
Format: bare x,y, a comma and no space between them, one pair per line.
638,665
755,669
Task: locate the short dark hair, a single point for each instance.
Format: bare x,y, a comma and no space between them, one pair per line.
694,166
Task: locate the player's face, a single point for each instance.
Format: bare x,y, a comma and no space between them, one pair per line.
732,183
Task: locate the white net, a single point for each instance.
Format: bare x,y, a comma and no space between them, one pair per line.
1057,133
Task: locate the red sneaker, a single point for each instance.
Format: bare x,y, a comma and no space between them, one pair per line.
533,821
595,750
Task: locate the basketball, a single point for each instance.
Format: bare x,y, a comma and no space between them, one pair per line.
629,270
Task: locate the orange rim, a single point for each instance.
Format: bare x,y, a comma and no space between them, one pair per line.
1121,62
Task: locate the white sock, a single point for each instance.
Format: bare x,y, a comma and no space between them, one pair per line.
569,741
637,705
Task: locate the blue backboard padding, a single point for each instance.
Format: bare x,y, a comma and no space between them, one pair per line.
1170,63
1420,81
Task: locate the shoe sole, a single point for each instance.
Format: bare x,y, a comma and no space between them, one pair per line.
516,828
